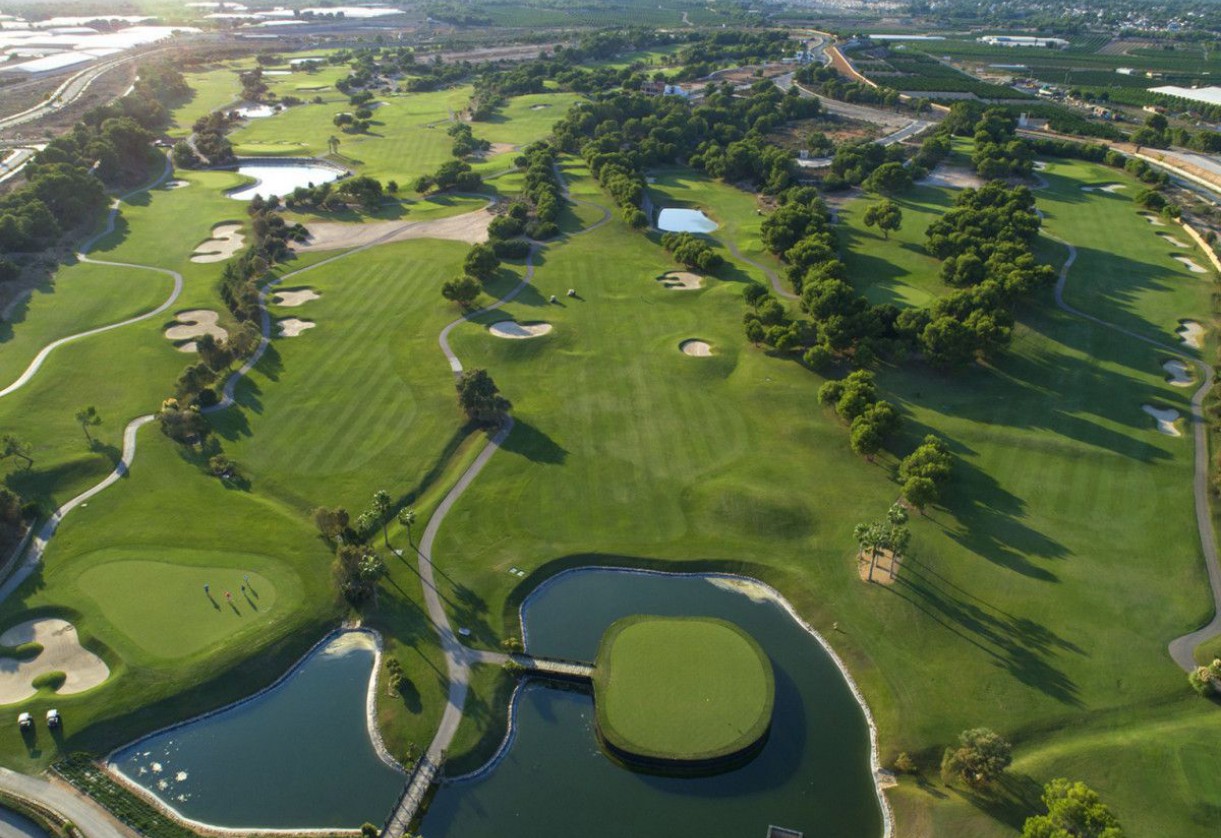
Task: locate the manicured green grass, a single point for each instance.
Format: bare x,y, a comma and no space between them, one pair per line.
162,607
681,690
524,119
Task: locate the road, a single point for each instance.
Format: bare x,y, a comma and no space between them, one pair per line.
897,126
92,820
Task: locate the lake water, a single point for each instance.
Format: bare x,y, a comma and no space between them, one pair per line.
298,756
280,180
13,825
813,774
675,220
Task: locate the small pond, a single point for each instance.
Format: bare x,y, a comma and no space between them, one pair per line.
813,775
675,220
272,179
255,111
297,756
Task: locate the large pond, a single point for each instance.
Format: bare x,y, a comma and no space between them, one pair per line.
813,775
13,825
675,220
297,756
271,179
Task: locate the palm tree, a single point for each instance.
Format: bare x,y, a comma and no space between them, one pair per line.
381,508
407,518
88,417
868,538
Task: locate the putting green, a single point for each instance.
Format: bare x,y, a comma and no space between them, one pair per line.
163,609
681,689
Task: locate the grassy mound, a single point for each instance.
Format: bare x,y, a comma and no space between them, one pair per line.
671,690
52,680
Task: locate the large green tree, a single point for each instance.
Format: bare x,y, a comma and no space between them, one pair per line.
480,398
885,215
979,759
1074,810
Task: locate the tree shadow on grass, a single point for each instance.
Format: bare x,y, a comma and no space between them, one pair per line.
533,444
1014,798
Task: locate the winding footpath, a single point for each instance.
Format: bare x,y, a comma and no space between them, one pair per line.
81,255
771,275
1181,648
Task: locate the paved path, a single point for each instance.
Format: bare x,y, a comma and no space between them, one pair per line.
458,658
1181,649
36,364
777,285
92,820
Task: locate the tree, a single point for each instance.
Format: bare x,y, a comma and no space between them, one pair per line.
464,290
331,522
332,143
407,519
885,215
755,331
888,179
381,508
87,417
481,262
480,398
980,758
1074,810
920,492
11,446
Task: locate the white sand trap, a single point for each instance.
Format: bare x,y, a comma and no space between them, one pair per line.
61,652
471,227
1109,187
292,299
1190,264
1172,240
681,281
1177,370
1191,333
539,107
500,148
518,331
695,348
1153,219
225,241
290,327
194,324
1165,419
1040,165
953,177
177,184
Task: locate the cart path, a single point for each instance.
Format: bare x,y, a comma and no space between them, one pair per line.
37,363
1181,649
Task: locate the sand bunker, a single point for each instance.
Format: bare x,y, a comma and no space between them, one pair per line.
1040,165
471,227
225,241
1165,419
1178,372
953,177
1169,239
681,281
291,327
1190,264
695,348
539,107
518,331
1191,333
292,299
1153,219
194,324
500,148
177,184
61,652
1108,187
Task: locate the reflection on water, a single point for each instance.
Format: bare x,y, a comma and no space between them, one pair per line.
280,180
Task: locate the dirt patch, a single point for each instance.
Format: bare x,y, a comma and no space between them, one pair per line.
513,330
499,148
226,240
1191,333
1166,419
695,348
953,177
471,227
296,297
1178,373
885,567
61,652
681,281
194,324
1190,264
290,327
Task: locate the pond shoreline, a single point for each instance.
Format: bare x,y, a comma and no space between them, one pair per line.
375,737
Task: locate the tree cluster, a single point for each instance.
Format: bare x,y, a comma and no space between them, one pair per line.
480,398
453,175
361,192
692,251
480,265
854,163
465,142
889,533
1074,810
855,400
999,154
13,516
978,760
923,472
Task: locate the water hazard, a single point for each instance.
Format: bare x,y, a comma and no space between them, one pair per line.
298,756
674,220
272,179
813,775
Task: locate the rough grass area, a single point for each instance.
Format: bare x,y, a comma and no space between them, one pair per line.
671,689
